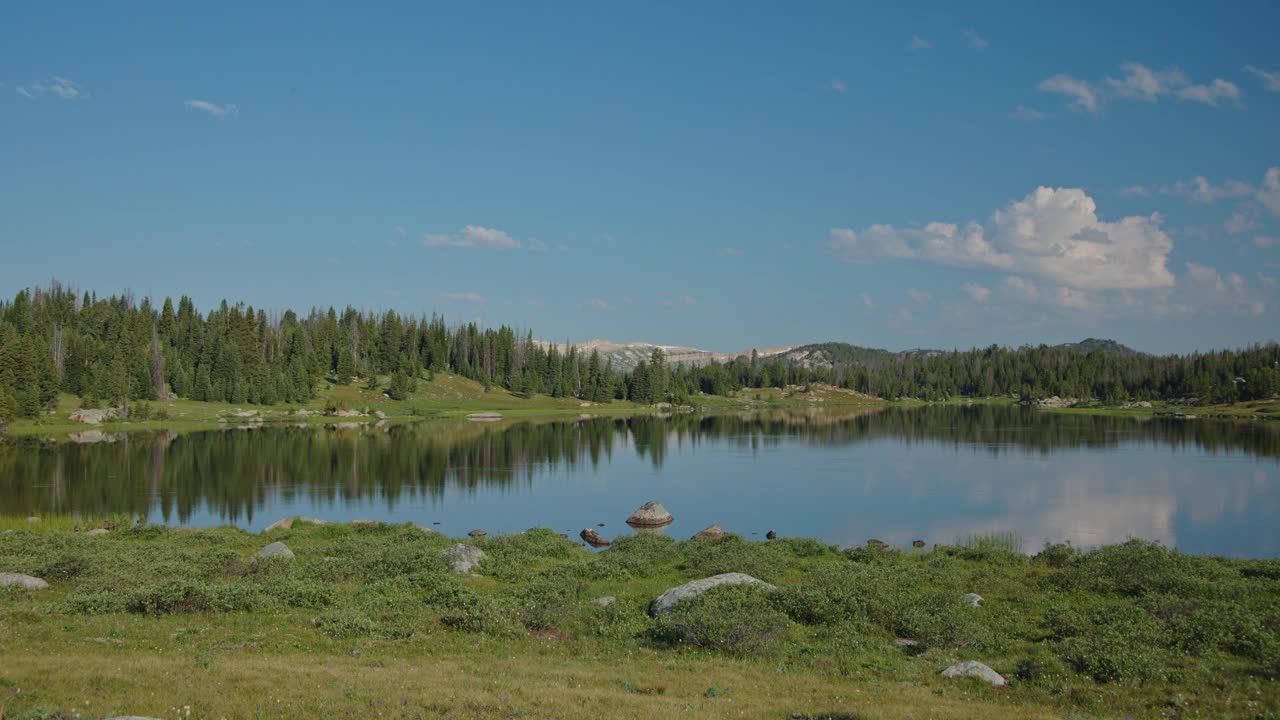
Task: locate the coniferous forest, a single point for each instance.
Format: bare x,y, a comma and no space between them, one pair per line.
120,348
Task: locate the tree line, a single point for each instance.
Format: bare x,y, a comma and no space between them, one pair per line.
117,349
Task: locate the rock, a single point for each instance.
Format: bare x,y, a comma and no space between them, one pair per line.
973,668
26,582
33,519
98,532
715,532
650,514
245,414
605,601
771,535
877,543
906,642
282,524
477,533
668,600
95,417
276,550
917,543
485,417
971,599
593,538
464,557
131,717
379,414
426,530
348,413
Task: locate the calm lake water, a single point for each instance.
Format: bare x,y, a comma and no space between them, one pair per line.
934,473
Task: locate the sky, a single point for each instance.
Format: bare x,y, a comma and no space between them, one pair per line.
718,175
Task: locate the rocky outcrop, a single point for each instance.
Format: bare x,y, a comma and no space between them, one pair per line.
593,538
1052,402
650,515
26,582
715,532
274,551
669,599
96,416
464,557
973,668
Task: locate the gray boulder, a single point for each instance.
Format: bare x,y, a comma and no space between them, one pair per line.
131,717
971,599
464,557
593,538
715,532
98,532
605,601
669,599
273,551
650,514
973,668
26,582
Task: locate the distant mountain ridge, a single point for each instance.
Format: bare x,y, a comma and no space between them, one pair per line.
626,356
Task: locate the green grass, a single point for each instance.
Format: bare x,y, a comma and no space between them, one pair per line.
368,621
1009,542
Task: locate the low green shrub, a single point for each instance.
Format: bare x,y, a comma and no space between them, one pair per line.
733,619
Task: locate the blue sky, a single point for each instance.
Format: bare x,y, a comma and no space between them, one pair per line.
723,175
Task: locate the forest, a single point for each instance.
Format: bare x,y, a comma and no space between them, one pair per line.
119,349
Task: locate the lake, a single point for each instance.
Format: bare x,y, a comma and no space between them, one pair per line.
935,473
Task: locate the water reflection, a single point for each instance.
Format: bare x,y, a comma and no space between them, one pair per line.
935,472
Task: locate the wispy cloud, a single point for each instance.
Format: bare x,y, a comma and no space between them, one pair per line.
218,111
1266,241
56,86
730,252
919,43
1142,83
1270,80
678,302
597,304
920,296
1136,191
473,236
976,292
463,297
836,86
867,302
1083,96
537,245
1027,114
975,40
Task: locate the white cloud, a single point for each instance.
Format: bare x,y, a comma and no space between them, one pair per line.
1027,114
867,302
919,43
1200,190
1139,82
466,297
1084,97
1266,241
730,252
1054,233
1241,221
473,236
1023,290
57,85
837,86
900,319
1212,93
920,296
218,111
1270,80
1073,299
977,292
598,304
1269,193
537,245
678,302
1206,286
976,41
1136,191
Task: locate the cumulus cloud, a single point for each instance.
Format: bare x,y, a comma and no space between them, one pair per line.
56,86
1270,80
474,236
1023,290
919,43
1083,96
975,40
977,292
1199,189
1053,233
1139,82
218,111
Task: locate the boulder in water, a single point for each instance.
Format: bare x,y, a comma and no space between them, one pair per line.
715,532
917,543
650,515
771,535
26,582
973,668
477,533
593,538
668,600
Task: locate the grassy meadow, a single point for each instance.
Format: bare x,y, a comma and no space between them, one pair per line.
370,621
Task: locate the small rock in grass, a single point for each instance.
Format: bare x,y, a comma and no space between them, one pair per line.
464,557
98,532
26,582
605,601
906,642
971,599
273,551
973,668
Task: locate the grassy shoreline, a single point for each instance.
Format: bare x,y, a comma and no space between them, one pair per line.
369,620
